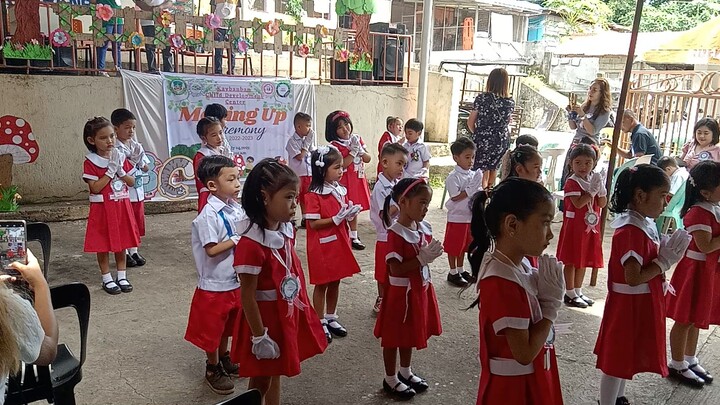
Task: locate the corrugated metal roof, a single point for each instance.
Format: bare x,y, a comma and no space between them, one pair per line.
610,43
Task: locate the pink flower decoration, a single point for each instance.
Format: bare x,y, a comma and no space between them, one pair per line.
59,38
303,50
272,27
212,21
342,55
242,45
177,41
104,12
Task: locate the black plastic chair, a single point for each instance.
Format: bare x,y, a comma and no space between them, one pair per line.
251,397
40,231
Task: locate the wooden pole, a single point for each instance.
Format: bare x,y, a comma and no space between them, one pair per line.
618,118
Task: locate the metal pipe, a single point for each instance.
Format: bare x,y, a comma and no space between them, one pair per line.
425,47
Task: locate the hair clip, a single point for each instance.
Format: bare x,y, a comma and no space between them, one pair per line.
322,151
692,181
633,169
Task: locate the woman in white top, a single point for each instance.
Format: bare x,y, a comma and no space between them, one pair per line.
26,334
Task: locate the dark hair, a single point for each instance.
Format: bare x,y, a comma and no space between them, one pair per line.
667,161
712,125
527,140
497,83
645,177
581,149
318,171
270,176
205,124
91,129
392,148
210,167
513,196
216,111
414,125
333,121
704,176
391,120
461,145
519,156
119,116
301,117
587,140
398,190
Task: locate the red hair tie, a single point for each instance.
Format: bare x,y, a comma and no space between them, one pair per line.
341,114
410,187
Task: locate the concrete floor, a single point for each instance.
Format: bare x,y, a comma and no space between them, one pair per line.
137,355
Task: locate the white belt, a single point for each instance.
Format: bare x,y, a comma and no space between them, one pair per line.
626,289
509,367
691,254
570,214
96,198
265,295
399,281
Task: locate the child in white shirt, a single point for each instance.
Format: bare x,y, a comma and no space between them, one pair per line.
299,148
418,165
678,175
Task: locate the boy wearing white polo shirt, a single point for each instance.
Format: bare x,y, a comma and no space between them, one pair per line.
299,148
216,302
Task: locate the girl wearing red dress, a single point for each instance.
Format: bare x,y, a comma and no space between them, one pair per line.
210,131
518,304
330,258
696,302
394,134
111,223
580,244
631,339
409,313
339,132
278,328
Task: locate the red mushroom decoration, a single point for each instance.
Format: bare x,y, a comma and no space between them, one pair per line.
240,163
17,146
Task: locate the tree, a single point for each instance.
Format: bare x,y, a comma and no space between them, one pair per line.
577,12
27,14
360,11
664,15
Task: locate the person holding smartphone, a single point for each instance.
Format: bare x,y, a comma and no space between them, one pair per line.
28,332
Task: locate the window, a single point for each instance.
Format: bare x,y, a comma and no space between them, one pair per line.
257,5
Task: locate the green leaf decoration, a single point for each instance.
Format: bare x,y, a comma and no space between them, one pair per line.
341,8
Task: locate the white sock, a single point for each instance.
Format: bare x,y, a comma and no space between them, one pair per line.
331,317
692,360
392,381
132,251
571,293
122,275
578,292
353,235
609,389
461,269
454,271
621,391
107,278
406,372
678,365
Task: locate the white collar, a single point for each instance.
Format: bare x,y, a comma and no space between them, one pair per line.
344,142
411,235
386,183
219,205
335,188
418,142
267,237
710,207
208,151
120,144
460,170
584,184
524,275
97,160
634,218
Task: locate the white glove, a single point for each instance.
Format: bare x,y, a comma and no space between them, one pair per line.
355,146
112,167
551,286
425,173
265,348
341,215
430,252
120,160
597,185
353,210
136,153
475,184
672,249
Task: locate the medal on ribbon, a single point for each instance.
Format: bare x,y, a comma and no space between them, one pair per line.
290,284
704,155
289,288
118,190
591,220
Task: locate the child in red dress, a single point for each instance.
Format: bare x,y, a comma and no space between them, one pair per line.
329,256
580,245
518,304
278,328
394,134
111,223
216,302
462,184
339,132
299,147
210,131
409,314
696,302
393,159
631,339
124,123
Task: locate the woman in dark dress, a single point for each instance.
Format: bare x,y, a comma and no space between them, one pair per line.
489,124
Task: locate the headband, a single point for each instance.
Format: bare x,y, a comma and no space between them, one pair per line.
411,186
341,114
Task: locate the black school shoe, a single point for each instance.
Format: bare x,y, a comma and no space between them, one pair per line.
705,376
111,290
401,395
457,280
129,261
677,375
587,300
139,260
419,386
622,401
328,335
357,244
468,277
335,328
576,302
124,287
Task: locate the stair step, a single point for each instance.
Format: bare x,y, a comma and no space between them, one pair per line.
441,166
438,149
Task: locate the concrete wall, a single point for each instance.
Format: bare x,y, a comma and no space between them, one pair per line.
58,106
443,99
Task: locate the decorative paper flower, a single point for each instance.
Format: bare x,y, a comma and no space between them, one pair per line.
137,39
34,42
59,37
242,45
19,47
165,18
272,27
213,21
177,41
342,55
303,50
104,12
324,31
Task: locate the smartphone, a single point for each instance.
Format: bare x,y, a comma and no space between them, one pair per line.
13,244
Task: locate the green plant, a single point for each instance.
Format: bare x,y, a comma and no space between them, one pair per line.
294,8
185,150
32,50
359,7
8,199
361,62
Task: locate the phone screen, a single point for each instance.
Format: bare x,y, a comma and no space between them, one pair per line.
13,247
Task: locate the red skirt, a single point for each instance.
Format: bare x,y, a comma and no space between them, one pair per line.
202,199
111,227
304,188
457,239
632,334
578,247
299,337
213,315
381,267
139,211
696,291
358,190
408,322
